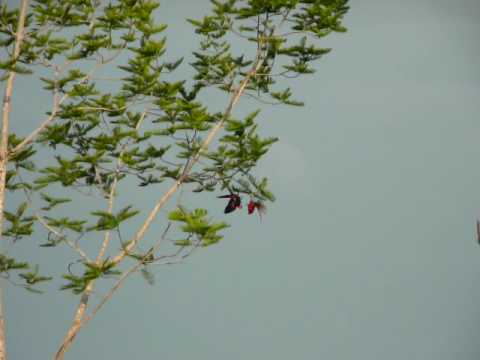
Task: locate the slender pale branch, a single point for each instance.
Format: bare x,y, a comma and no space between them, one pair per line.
77,320
111,196
111,199
62,237
82,306
7,103
124,276
79,314
85,319
123,108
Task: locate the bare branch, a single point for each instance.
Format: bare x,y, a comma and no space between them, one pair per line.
7,99
62,237
124,276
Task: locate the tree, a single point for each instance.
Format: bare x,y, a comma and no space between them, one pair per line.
152,130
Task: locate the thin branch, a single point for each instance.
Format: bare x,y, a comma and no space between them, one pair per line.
62,237
7,103
111,196
125,107
79,314
259,99
179,259
124,276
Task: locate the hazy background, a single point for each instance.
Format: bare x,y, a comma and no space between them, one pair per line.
369,251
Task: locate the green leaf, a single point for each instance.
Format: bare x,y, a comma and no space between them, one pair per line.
52,201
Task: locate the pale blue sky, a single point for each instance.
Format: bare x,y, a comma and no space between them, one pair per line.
369,250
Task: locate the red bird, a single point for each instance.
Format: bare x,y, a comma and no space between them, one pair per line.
252,205
234,203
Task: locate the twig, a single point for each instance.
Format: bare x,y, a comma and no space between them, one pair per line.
124,276
62,237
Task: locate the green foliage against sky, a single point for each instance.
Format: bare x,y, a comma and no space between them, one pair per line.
152,131
152,128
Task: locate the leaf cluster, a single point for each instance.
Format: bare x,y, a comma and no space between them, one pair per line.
18,224
216,65
92,271
200,230
30,276
107,221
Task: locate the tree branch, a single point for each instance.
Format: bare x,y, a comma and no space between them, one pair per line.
62,237
4,145
79,315
124,276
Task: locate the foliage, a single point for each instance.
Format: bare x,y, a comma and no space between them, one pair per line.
153,129
196,224
30,278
